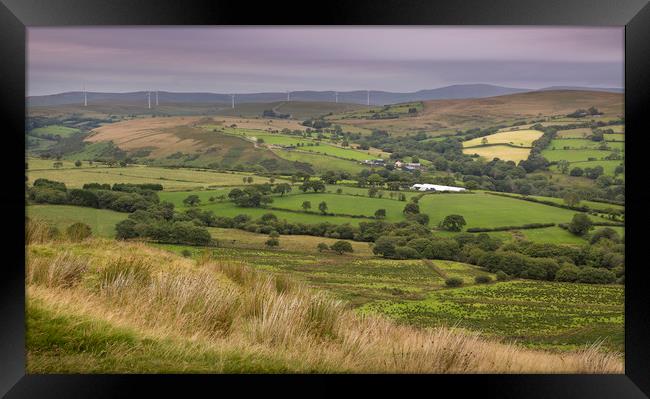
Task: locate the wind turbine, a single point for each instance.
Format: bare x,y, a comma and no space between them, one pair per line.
288,96
368,98
156,98
336,96
85,96
149,99
232,97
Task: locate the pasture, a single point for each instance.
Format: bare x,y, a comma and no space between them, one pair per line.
54,130
549,315
518,138
579,133
563,144
574,155
101,221
320,163
170,178
609,167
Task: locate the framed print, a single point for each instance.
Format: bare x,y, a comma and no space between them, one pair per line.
215,193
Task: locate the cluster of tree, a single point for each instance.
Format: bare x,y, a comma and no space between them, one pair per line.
600,262
317,124
340,247
581,113
255,196
159,223
119,198
269,113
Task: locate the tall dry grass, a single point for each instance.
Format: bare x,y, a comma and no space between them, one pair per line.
237,306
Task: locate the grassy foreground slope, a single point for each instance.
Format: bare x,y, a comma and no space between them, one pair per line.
107,306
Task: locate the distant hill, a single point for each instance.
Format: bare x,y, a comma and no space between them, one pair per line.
450,114
351,97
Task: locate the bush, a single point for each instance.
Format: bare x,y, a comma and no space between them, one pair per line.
322,247
406,253
580,224
272,242
454,282
567,273
341,246
186,253
502,276
592,275
78,231
482,279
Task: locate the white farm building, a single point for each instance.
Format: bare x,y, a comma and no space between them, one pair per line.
435,187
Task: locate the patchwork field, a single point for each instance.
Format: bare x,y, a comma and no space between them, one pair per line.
518,138
548,315
561,144
573,155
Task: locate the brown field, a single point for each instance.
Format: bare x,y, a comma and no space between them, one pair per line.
483,112
519,138
504,152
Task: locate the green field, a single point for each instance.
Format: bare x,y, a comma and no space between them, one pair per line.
55,130
171,179
102,221
608,166
547,315
321,163
590,204
479,210
614,137
561,144
573,155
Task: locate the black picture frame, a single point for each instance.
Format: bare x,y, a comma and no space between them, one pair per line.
16,15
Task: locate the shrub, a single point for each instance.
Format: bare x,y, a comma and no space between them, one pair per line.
341,246
406,253
78,231
592,275
322,247
454,282
502,276
567,273
186,253
482,279
580,224
272,242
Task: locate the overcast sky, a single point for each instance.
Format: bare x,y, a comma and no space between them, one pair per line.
246,59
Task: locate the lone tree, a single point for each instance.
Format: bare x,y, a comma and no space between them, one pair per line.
282,188
580,224
249,179
306,205
484,141
77,163
453,223
571,199
192,200
341,246
411,209
322,207
380,213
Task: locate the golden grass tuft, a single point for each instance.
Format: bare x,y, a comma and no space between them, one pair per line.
233,307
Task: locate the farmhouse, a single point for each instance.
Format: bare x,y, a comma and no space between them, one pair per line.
435,187
374,162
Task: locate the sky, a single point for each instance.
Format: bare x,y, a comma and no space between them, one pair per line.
260,59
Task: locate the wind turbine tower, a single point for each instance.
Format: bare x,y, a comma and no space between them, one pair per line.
368,98
156,98
288,96
232,97
149,99
85,96
336,96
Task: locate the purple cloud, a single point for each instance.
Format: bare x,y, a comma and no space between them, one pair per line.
253,59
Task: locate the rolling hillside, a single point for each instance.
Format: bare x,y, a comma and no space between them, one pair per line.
448,115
